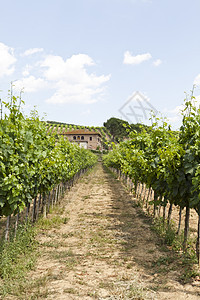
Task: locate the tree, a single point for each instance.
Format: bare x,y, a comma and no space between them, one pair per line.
120,129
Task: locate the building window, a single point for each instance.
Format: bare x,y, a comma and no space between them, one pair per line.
82,137
78,137
90,138
74,137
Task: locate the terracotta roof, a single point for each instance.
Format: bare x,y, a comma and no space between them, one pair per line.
80,131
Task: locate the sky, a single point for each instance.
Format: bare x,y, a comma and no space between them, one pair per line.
85,61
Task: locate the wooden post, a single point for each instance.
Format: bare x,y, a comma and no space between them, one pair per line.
142,189
155,207
44,206
159,208
49,200
198,240
169,214
16,225
164,213
186,230
7,228
27,212
56,193
52,198
38,206
34,209
147,199
145,190
137,189
179,222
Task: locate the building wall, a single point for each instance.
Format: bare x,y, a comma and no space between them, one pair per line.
82,144
93,141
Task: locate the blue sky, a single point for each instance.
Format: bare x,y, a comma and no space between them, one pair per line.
80,61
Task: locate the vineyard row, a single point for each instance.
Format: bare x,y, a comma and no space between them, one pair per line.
166,162
33,164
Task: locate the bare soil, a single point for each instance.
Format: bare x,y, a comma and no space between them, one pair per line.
107,249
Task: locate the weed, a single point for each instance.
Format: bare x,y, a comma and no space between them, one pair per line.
70,291
164,260
53,222
12,262
51,244
68,258
186,261
188,274
81,282
63,254
100,239
67,235
137,204
86,197
150,251
92,294
17,257
59,210
167,232
129,266
106,285
71,262
135,293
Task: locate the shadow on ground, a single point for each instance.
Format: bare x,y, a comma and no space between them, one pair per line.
139,243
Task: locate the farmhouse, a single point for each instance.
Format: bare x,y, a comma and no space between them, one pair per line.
84,138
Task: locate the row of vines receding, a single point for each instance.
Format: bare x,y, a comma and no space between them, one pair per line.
167,164
35,167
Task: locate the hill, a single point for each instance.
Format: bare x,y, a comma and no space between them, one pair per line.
114,130
58,127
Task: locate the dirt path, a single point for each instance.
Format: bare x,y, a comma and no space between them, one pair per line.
106,250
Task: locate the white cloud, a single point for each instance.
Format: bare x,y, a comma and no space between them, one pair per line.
30,84
197,80
174,120
73,68
175,110
32,51
174,115
129,59
71,80
86,112
26,70
67,81
179,109
157,62
7,60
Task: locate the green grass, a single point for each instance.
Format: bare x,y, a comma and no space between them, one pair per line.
168,233
51,244
17,257
52,222
185,262
86,197
101,239
67,257
106,285
70,291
